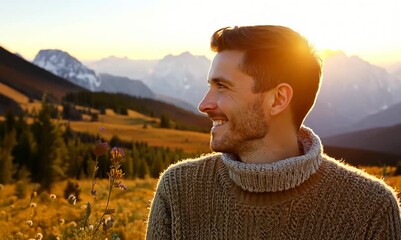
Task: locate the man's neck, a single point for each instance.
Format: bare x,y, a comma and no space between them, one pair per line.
277,147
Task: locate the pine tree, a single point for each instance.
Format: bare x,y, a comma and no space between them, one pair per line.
51,151
143,169
165,121
6,158
6,146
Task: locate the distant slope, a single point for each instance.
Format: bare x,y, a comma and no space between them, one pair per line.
120,102
31,80
115,84
384,139
351,89
358,157
7,103
389,117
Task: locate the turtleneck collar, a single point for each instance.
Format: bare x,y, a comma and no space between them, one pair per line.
281,175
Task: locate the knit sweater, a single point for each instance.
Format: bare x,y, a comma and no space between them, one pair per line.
311,196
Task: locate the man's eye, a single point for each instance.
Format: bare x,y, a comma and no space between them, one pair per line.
219,85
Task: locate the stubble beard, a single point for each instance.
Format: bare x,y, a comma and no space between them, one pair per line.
245,129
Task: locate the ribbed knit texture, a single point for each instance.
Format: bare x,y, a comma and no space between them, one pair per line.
307,197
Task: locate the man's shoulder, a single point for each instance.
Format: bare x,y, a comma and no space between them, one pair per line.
357,181
188,166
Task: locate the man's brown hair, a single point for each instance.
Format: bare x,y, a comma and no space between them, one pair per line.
273,55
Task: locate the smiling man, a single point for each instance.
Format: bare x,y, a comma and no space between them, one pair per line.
269,178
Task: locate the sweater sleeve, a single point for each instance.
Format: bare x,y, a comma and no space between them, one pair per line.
159,221
386,224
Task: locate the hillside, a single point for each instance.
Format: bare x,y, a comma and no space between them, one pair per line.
388,117
120,103
31,80
383,139
360,157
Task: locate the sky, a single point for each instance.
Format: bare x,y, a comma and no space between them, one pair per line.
151,29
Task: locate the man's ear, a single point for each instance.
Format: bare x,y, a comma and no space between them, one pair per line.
281,98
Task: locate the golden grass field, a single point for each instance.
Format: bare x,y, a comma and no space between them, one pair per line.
52,217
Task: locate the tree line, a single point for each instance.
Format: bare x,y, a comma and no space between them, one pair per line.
46,150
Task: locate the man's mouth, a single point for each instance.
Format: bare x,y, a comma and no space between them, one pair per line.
218,122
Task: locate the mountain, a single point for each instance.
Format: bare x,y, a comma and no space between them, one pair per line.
183,76
177,102
388,117
134,69
351,90
114,84
32,80
66,66
384,139
395,70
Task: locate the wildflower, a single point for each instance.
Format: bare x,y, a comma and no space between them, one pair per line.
53,196
32,205
72,199
101,129
19,235
108,223
29,223
72,224
91,227
117,154
61,221
33,194
93,192
39,236
122,187
116,173
100,148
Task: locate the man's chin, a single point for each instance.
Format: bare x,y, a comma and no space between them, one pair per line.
220,147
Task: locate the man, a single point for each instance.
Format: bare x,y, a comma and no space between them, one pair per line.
270,178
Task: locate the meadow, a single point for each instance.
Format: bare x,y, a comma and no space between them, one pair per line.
27,213
55,218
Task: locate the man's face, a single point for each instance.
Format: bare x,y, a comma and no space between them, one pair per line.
239,122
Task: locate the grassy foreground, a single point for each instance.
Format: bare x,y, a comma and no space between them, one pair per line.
56,218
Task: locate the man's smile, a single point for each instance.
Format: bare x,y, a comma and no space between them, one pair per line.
218,122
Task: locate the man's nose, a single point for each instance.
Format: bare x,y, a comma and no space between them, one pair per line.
208,103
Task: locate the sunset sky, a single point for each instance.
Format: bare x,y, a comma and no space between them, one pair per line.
151,29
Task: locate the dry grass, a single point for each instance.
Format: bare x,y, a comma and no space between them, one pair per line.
393,181
131,129
52,217
20,98
13,94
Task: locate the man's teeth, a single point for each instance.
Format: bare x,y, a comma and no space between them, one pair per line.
218,122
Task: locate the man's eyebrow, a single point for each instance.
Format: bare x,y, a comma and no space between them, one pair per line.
220,80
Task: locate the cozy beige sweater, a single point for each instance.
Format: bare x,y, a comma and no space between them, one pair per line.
306,197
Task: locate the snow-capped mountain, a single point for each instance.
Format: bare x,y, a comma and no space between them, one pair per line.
66,66
183,76
351,90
